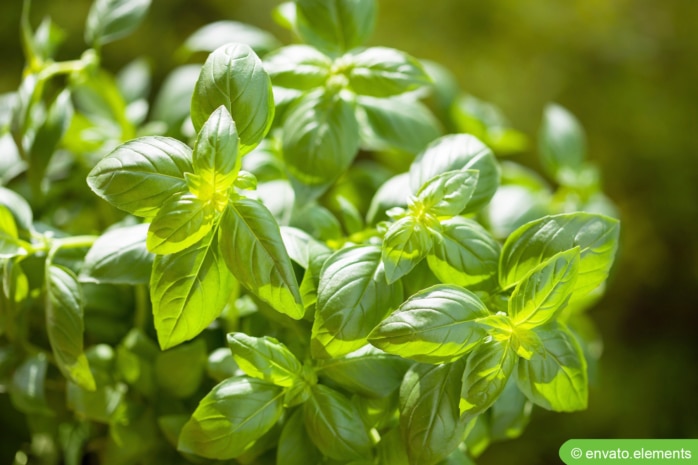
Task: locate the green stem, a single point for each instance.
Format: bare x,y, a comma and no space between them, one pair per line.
75,242
142,307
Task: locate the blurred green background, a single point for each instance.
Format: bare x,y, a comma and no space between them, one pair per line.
628,69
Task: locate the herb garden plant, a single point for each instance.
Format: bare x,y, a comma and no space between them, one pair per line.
302,254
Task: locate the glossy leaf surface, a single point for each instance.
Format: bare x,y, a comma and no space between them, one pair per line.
231,417
233,76
436,325
254,252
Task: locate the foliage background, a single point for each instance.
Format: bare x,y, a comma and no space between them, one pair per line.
628,70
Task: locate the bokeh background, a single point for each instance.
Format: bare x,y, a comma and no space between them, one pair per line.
628,69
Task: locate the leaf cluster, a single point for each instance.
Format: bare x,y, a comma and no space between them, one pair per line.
299,254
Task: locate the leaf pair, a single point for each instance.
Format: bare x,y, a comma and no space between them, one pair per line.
240,410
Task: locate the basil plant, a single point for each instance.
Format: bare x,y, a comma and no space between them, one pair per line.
319,253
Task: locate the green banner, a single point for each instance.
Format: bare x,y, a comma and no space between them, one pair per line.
629,451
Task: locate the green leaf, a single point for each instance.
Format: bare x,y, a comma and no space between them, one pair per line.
47,137
466,254
213,35
537,241
173,102
458,152
106,402
298,67
233,76
542,293
28,387
393,193
353,297
188,291
430,421
20,209
109,20
561,143
382,72
335,26
231,417
436,325
119,256
265,358
447,194
396,123
368,372
406,243
334,425
486,373
295,445
10,244
140,175
65,325
183,220
556,376
510,413
215,157
320,138
251,245
391,449
175,381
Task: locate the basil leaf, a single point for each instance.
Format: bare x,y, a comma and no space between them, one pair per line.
106,402
295,446
140,175
320,138
537,241
393,193
215,157
510,413
406,243
298,67
458,152
465,254
181,222
396,123
213,35
447,194
542,293
265,358
10,244
353,296
383,72
47,137
173,102
561,143
486,373
231,417
391,449
119,256
556,376
109,20
252,248
334,425
188,290
65,325
28,387
168,368
430,421
302,247
335,26
20,209
368,372
233,76
436,325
